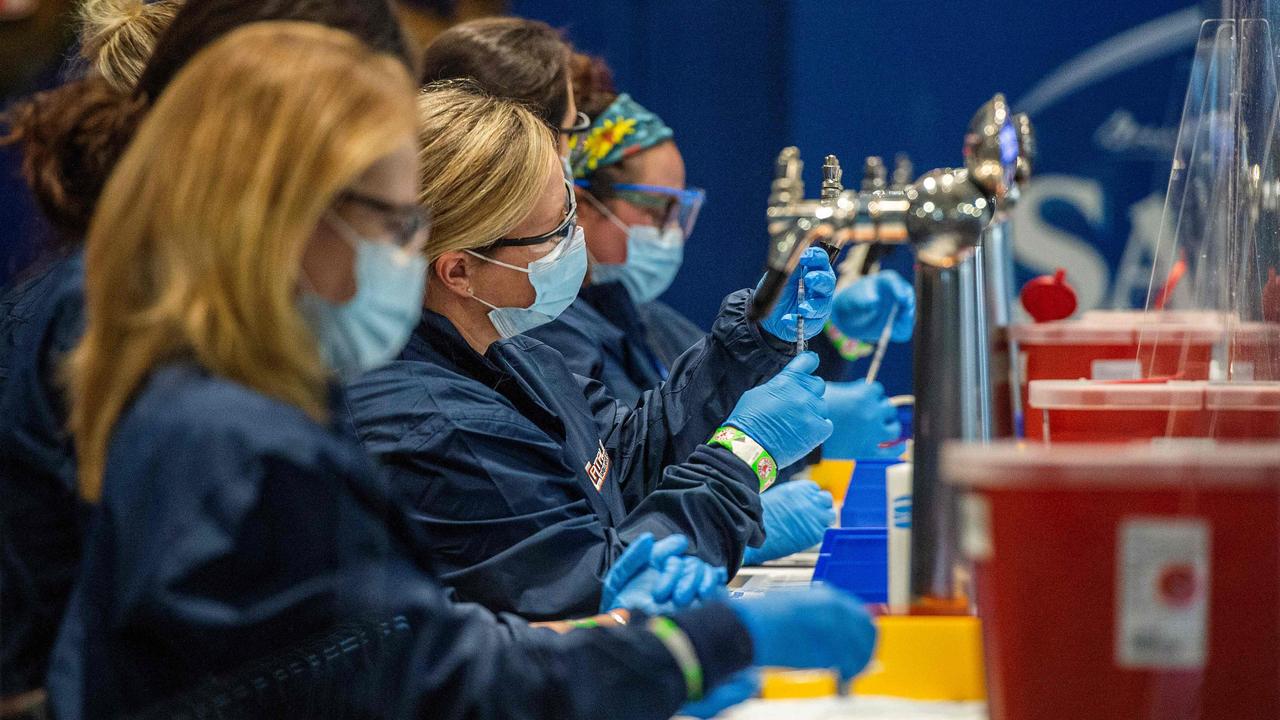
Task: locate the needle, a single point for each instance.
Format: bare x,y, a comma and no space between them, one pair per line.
881,345
802,343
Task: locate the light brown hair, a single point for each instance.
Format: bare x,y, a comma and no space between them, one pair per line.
196,246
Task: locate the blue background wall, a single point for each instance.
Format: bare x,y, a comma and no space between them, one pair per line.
740,79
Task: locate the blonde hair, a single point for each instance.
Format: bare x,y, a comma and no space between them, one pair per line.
484,164
196,246
117,36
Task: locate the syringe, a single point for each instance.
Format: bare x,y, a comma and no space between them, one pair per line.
881,344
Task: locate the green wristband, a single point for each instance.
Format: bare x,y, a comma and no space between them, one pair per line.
584,623
848,348
748,451
678,644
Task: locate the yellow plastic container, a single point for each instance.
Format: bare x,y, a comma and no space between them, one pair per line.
917,658
833,476
926,658
778,684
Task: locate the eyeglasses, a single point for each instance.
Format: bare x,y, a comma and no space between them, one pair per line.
409,225
664,205
581,124
562,232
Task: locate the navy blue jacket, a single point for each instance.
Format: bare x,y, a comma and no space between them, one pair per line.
667,332
529,480
628,347
238,538
601,336
41,319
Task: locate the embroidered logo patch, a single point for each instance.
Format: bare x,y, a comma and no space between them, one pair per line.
598,469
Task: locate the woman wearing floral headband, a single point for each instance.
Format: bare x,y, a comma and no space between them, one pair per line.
637,214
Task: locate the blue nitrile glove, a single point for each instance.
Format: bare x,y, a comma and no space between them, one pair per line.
863,418
696,581
737,689
821,627
654,577
640,572
787,415
861,310
819,287
796,514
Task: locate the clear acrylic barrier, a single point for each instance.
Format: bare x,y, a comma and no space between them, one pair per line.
1218,257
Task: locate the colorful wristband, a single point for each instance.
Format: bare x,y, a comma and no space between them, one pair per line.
847,347
748,451
584,623
681,649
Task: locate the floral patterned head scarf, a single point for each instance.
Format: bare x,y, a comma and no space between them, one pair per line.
623,129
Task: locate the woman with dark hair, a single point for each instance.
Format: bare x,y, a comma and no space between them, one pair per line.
638,214
515,58
71,138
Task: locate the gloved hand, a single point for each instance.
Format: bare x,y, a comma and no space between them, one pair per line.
821,627
796,514
738,688
652,577
787,415
819,286
862,417
862,309
696,581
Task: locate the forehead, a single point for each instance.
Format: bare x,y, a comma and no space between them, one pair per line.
393,177
661,165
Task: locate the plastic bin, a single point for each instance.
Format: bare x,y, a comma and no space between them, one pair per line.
1256,354
1125,582
1118,345
856,560
1243,411
864,503
1093,411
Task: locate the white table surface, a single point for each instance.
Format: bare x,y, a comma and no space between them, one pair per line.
855,708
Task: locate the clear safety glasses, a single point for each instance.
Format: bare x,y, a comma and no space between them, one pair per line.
666,206
562,232
408,225
581,124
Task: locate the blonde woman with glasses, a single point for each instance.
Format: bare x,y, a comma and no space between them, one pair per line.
259,238
527,481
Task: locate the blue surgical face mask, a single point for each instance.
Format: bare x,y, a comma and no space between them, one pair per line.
653,258
556,279
371,328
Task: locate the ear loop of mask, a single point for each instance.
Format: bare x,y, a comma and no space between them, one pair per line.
604,210
610,216
346,232
499,263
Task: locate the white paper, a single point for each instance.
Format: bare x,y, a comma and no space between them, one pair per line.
1162,593
1115,370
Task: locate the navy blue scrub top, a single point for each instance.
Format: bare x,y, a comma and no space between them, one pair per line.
41,320
529,480
238,542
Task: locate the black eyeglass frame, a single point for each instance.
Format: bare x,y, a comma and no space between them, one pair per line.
409,221
562,232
